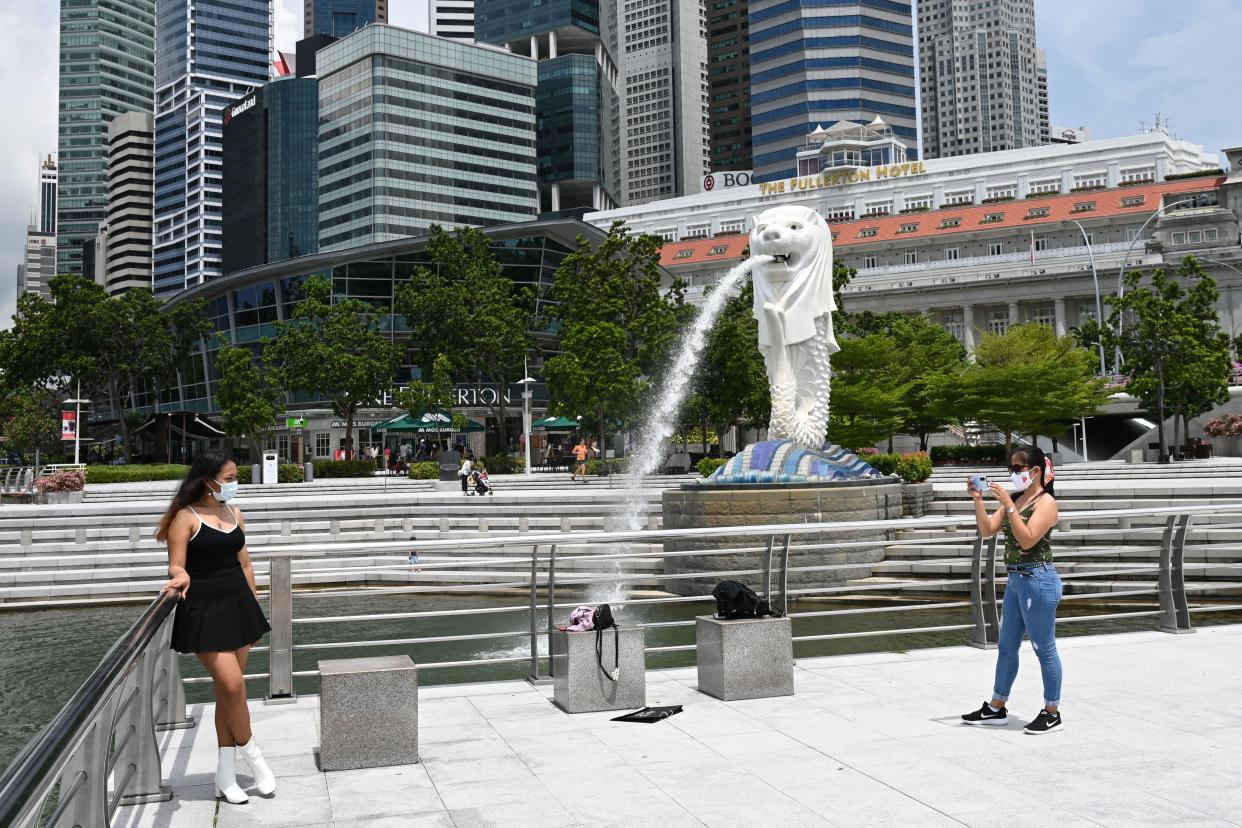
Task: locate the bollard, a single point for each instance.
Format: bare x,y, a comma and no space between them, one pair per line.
308,469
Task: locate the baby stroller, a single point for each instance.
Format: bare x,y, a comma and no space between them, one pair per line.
481,486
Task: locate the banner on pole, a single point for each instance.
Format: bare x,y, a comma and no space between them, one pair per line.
68,425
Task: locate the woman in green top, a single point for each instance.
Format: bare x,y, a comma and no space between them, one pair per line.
1032,589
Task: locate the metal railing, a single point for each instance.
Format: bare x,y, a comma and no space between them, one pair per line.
101,751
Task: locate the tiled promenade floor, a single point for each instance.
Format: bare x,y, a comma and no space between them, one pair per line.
1153,736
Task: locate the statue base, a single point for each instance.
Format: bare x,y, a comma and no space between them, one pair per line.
749,504
784,461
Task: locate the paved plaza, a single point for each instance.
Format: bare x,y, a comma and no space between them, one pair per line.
1153,736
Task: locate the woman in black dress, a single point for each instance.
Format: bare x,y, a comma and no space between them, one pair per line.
219,618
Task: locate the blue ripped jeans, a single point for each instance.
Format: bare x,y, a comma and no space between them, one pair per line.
1030,608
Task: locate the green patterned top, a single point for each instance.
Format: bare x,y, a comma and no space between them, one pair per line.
1041,552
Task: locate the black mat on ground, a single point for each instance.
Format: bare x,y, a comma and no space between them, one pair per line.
650,714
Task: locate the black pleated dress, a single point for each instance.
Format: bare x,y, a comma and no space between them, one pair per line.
219,613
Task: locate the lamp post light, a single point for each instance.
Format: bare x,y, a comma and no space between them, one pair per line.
526,382
77,403
1121,269
1095,278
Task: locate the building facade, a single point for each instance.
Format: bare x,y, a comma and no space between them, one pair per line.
728,84
211,53
123,260
107,54
576,102
271,164
980,75
453,19
416,131
814,63
1041,96
662,50
341,17
40,263
47,195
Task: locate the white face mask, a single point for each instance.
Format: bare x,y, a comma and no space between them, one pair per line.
1020,480
227,492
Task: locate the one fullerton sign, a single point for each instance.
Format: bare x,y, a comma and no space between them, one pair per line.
836,179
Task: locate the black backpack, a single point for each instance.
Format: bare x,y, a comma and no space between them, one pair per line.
736,600
601,620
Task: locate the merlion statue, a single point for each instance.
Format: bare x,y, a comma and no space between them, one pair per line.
794,305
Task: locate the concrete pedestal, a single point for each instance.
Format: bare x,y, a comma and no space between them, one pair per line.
368,713
749,658
578,685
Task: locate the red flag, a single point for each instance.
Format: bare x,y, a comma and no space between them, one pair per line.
68,425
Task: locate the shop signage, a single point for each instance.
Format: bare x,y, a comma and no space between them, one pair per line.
831,179
245,106
357,423
295,422
725,180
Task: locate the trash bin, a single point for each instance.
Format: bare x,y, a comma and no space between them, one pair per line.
270,471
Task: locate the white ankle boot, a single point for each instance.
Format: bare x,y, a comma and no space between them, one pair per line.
264,779
226,778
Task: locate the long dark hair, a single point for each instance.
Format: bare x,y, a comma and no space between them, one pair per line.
1035,457
207,464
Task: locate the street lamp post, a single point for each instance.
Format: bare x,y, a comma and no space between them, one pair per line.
1121,269
1095,278
526,382
77,421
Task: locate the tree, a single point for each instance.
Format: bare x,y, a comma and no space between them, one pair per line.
732,385
335,350
248,402
868,391
1027,381
465,309
432,394
617,326
31,421
1174,351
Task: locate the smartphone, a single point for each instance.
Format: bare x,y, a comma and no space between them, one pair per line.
979,482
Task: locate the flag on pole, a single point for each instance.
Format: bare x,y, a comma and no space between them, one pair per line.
1032,247
68,425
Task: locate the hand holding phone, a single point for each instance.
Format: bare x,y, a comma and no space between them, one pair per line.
979,482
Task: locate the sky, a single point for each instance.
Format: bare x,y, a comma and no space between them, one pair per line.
1112,66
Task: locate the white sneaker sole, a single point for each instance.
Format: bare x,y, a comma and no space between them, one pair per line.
994,722
1056,729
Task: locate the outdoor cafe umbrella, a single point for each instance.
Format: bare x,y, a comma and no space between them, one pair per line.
427,421
556,424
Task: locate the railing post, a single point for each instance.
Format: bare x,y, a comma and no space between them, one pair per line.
767,569
280,589
552,600
1174,608
169,692
83,796
141,749
534,636
984,636
785,576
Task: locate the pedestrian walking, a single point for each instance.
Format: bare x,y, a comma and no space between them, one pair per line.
1033,588
218,618
580,456
464,474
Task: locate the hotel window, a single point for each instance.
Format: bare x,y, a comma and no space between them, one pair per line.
912,257
1037,212
868,232
923,202
949,223
998,321
1131,234
1209,235
718,250
962,197
879,208
1086,314
1179,238
1090,180
733,227
684,254
699,231
909,228
1133,201
1051,185
1044,315
953,324
1138,174
1041,243
951,254
1194,236
992,218
838,214
1002,191
323,444
668,235
995,249
1083,207
869,261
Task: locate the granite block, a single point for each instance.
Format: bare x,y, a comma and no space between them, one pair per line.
368,712
578,684
748,658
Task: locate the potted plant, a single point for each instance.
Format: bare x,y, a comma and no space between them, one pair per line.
62,486
1226,434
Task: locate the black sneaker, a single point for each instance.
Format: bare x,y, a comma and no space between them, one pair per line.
985,715
1045,722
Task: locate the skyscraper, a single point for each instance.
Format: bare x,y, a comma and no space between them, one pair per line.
47,196
576,101
979,69
814,63
211,52
416,130
1041,93
40,263
126,259
341,17
270,207
107,51
452,19
663,57
728,84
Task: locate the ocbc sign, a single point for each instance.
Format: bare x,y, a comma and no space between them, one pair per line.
725,180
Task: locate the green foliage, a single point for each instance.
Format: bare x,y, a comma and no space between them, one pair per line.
285,473
137,473
343,468
616,465
990,454
62,481
1195,174
1175,353
709,464
31,421
426,470
1027,381
868,391
248,402
732,384
913,467
467,318
617,327
335,350
504,464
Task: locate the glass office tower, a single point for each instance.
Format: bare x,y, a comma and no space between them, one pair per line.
341,17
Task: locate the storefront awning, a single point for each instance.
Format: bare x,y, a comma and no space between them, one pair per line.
427,421
556,424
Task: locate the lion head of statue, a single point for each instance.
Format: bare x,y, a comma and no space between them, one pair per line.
797,239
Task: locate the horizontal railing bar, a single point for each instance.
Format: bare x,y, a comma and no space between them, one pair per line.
1109,616
810,591
1225,608
332,619
672,648
868,610
1087,596
394,642
875,633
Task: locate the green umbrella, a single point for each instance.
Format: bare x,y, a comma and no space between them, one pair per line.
427,421
556,424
